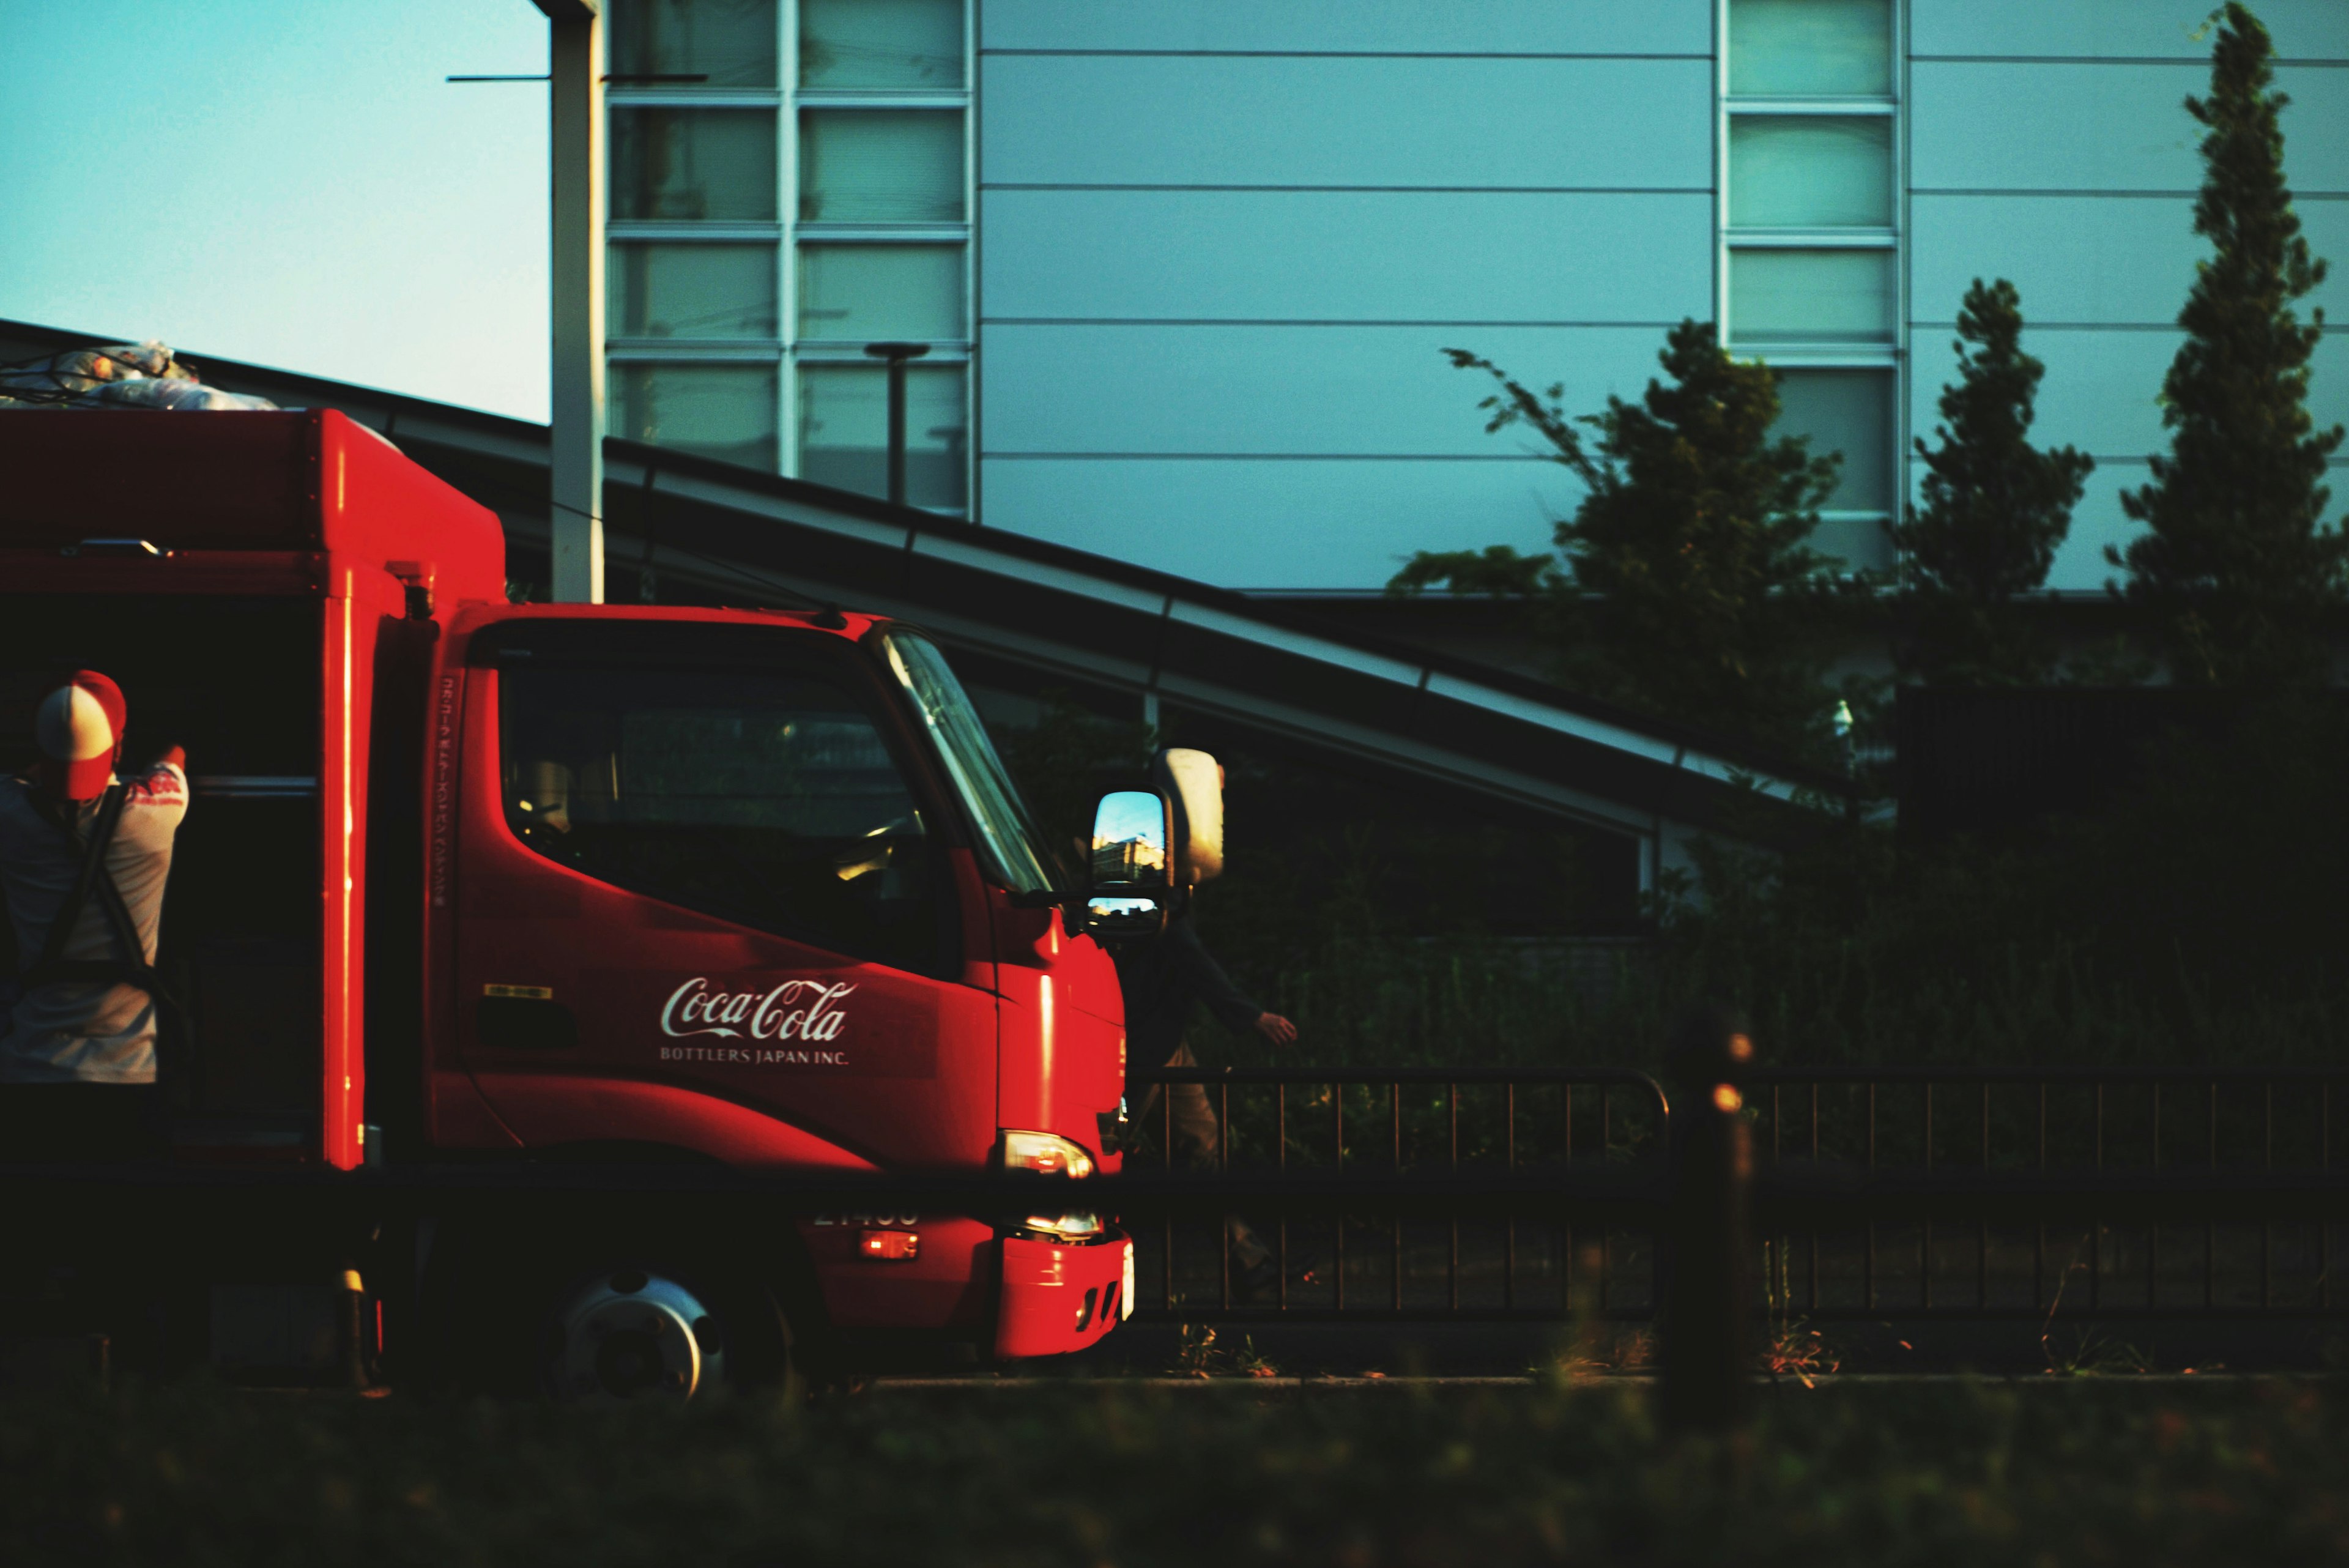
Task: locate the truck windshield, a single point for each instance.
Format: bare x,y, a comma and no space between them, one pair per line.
1011,847
765,796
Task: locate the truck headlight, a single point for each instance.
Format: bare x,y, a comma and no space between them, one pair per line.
1081,1226
1047,1154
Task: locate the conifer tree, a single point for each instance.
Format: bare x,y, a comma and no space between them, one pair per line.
1688,584
2234,565
1995,508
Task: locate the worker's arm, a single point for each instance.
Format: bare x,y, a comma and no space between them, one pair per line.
161,792
1205,979
1276,1028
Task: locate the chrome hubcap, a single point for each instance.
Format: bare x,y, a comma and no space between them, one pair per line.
626,1335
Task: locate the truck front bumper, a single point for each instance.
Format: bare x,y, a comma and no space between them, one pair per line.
1061,1297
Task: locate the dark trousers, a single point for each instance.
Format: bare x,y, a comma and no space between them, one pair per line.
1195,1137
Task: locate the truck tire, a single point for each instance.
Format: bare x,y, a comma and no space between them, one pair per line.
627,1331
600,1320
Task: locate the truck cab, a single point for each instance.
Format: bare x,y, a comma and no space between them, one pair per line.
467,883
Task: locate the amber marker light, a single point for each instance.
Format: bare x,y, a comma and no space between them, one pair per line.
889,1246
1726,1099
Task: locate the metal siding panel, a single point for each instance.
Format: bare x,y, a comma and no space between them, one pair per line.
2126,261
1366,390
2088,127
2102,388
1346,256
2097,521
2303,29
1269,523
1498,26
1258,120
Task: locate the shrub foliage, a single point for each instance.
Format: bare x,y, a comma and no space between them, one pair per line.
1994,509
2234,567
1683,583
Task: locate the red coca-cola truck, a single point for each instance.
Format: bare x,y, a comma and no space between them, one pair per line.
469,885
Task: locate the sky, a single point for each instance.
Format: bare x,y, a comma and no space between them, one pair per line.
285,181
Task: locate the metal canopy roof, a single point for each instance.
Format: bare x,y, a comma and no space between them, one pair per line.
1066,612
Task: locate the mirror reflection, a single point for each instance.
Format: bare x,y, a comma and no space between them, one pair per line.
1106,916
1130,840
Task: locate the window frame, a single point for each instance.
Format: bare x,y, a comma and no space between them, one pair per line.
1890,356
877,645
789,350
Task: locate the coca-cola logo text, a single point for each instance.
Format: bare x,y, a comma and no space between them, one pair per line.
795,1010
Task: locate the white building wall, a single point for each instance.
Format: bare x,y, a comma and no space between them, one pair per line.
1221,245
2049,145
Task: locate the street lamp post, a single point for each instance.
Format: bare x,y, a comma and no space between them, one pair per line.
895,355
576,476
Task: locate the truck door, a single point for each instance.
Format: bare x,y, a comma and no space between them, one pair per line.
706,898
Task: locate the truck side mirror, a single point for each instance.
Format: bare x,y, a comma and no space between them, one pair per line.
1131,874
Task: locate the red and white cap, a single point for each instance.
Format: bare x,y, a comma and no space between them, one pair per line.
78,727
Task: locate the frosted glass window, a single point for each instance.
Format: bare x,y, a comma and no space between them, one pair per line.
725,411
881,43
1849,411
1810,297
1810,172
881,166
694,163
692,291
1810,47
844,430
870,294
732,42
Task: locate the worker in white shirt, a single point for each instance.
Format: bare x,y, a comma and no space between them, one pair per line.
84,857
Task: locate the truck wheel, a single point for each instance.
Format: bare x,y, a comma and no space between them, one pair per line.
628,1333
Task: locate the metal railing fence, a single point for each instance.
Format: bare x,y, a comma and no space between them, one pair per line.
2161,1136
1941,1193
1521,1134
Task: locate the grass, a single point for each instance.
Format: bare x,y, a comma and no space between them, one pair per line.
2060,1471
1199,1353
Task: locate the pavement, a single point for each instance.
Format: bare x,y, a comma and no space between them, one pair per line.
2013,1348
982,1382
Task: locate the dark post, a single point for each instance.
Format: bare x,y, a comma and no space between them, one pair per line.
896,353
354,1327
1708,1297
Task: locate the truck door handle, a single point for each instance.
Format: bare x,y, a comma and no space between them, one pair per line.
525,1023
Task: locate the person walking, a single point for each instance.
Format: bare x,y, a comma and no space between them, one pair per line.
84,857
1165,976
